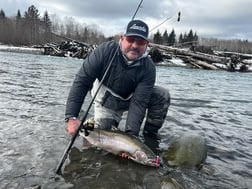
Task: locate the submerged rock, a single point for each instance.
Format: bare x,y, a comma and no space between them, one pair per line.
36,186
188,150
170,183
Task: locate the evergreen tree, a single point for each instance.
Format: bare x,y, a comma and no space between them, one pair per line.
165,38
32,23
6,28
190,37
2,25
181,39
185,38
172,38
18,17
19,38
47,27
195,38
46,20
157,38
85,35
2,14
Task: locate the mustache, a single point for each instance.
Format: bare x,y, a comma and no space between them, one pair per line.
134,49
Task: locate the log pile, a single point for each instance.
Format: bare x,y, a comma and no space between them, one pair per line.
195,57
206,59
67,48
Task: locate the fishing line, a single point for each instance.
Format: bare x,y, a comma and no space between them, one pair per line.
71,142
178,19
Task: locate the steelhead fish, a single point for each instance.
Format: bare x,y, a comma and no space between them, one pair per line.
123,144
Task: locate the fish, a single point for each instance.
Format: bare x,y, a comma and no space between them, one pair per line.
122,144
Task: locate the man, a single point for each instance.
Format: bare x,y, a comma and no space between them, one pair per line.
128,85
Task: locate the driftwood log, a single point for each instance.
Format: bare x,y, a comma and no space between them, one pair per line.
213,61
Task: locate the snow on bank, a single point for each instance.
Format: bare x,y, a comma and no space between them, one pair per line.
172,62
27,50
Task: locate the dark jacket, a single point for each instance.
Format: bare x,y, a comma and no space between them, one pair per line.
123,79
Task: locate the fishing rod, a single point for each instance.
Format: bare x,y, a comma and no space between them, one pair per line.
71,142
139,5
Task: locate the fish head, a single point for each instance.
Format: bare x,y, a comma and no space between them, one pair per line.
143,158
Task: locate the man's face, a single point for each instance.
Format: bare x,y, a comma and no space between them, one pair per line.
133,47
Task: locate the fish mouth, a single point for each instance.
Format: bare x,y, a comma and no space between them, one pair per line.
154,162
142,157
150,162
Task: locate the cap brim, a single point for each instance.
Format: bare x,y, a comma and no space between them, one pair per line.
133,34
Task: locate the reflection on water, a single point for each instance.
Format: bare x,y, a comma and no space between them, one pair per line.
94,169
33,92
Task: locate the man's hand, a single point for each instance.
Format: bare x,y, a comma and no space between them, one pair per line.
72,125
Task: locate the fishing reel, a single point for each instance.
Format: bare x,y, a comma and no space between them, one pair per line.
88,126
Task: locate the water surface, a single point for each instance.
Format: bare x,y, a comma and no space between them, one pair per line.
33,93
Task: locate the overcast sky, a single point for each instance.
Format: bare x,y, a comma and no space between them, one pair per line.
228,19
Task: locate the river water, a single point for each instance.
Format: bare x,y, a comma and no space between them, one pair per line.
33,93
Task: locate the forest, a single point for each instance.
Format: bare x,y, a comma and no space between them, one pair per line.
30,28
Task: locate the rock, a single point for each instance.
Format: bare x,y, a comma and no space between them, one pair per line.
170,183
188,150
35,186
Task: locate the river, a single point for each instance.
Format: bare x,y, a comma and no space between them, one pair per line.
33,137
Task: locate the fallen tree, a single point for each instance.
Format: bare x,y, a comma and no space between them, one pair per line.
214,61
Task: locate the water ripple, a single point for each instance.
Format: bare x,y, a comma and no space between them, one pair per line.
33,92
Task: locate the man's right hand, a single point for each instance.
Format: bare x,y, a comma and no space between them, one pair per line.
72,125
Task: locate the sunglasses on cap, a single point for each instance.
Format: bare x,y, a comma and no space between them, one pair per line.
139,41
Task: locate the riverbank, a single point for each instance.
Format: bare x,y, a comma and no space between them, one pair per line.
27,50
161,55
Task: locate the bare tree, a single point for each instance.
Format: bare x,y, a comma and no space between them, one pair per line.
235,45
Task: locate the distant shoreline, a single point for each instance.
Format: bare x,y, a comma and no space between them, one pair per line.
28,50
170,62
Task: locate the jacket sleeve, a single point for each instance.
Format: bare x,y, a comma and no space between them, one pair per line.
92,68
140,100
82,84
